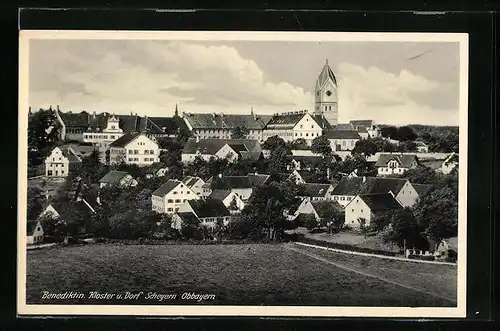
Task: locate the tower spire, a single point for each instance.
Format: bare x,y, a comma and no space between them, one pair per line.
327,61
251,110
176,110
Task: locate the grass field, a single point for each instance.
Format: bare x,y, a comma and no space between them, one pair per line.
237,274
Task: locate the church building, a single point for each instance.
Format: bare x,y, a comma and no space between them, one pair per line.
325,96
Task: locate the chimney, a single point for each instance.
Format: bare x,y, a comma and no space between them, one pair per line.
328,172
220,175
93,114
57,107
221,114
197,139
364,179
29,111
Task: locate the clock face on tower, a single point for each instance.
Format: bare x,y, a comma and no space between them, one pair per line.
328,93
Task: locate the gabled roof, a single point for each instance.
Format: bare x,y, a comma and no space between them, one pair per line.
72,158
345,126
420,144
189,181
324,75
169,125
316,190
232,182
322,207
124,140
226,121
188,218
322,122
30,227
361,129
208,208
166,188
258,180
421,189
219,194
405,160
365,123
380,202
212,146
113,176
252,156
68,209
342,134
286,120
368,185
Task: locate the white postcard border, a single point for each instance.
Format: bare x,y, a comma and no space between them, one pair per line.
292,311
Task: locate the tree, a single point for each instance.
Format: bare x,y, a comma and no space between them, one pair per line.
34,203
239,132
273,143
53,228
321,145
298,144
366,147
389,132
407,147
403,228
43,134
310,222
406,133
233,205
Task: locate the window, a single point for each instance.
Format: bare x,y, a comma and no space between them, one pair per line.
146,151
136,151
352,210
312,126
170,209
184,200
177,200
151,152
301,126
177,209
307,134
130,151
170,201
361,210
175,192
342,198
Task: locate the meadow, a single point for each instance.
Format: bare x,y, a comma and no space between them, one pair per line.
246,274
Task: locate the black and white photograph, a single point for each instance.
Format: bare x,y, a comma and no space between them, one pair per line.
182,173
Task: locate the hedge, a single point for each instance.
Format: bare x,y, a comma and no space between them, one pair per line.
345,247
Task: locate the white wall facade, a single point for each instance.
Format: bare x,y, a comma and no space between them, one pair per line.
343,144
407,196
307,128
56,164
172,201
355,210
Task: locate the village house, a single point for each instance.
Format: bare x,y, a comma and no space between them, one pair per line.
157,169
349,187
75,214
84,126
134,148
321,210
369,125
184,219
232,149
304,162
34,232
221,126
170,196
342,140
257,179
230,199
297,176
101,138
208,211
195,184
395,163
241,185
293,125
120,178
450,163
366,207
60,162
317,192
421,147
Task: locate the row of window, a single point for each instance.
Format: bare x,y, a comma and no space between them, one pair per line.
312,126
146,151
342,198
50,173
176,200
54,159
136,159
56,165
97,136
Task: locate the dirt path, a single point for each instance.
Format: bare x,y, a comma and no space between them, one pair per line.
343,267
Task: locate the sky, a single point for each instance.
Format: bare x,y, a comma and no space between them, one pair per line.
394,83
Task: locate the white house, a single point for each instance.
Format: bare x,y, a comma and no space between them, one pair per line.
208,211
293,125
233,149
241,185
369,125
170,196
449,163
320,209
103,138
342,140
34,233
366,207
422,147
120,178
195,184
395,163
317,192
296,177
229,199
60,162
134,148
349,187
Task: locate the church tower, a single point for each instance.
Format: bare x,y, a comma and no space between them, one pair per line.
325,95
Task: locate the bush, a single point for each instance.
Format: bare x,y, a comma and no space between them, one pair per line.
421,257
451,256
